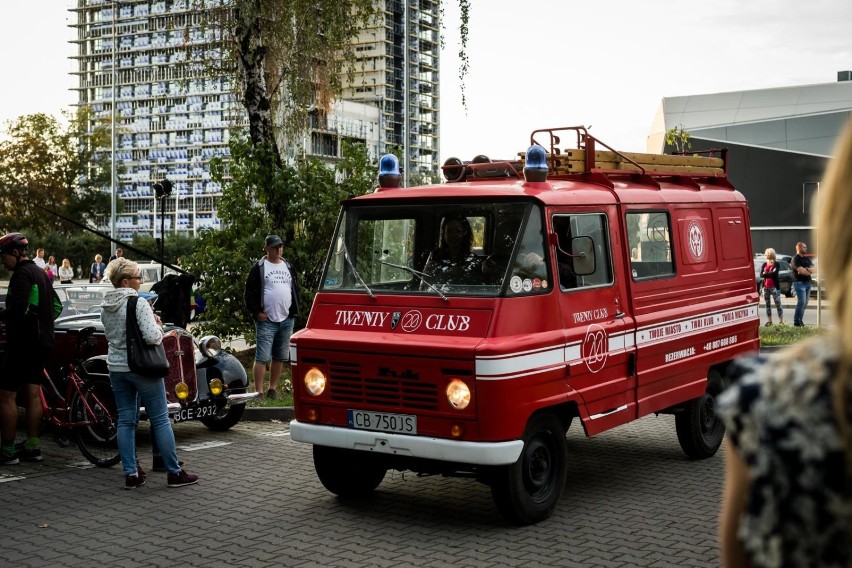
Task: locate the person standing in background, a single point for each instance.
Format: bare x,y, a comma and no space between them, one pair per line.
118,254
803,268
788,454
771,286
96,271
39,259
51,263
29,318
66,273
272,298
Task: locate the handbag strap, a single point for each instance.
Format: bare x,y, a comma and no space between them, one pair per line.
132,323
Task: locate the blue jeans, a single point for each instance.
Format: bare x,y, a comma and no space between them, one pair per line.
803,294
273,340
129,388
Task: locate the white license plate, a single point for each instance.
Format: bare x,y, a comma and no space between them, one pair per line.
383,422
194,413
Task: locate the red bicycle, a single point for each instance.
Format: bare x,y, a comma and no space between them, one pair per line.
84,408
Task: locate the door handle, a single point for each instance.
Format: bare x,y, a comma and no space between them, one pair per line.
619,314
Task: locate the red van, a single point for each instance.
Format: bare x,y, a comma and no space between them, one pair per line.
461,328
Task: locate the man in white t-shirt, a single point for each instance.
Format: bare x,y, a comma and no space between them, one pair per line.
39,259
272,298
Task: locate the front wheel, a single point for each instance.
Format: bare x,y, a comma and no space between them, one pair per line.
528,490
225,419
699,428
94,416
348,473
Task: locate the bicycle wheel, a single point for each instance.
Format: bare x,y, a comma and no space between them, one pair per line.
94,415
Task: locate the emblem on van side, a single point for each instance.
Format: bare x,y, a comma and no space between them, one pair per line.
395,319
595,348
697,244
411,321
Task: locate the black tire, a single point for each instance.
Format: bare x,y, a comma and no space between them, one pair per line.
699,428
527,491
348,473
97,440
226,419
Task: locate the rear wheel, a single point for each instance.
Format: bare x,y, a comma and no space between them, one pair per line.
97,415
527,491
699,428
348,473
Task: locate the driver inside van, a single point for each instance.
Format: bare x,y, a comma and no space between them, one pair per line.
453,262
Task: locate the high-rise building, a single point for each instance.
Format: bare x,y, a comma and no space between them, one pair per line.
171,118
397,69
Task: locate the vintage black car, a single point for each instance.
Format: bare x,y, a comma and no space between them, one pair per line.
204,382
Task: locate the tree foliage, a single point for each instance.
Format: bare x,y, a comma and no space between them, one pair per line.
678,138
313,193
59,167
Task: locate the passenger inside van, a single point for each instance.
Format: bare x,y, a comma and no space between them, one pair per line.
453,262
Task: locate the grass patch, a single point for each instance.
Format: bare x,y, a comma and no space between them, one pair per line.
786,334
285,398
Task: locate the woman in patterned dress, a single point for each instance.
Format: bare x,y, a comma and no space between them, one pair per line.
788,488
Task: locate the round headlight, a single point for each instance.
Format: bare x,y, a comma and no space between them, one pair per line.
215,387
210,345
458,394
315,381
181,391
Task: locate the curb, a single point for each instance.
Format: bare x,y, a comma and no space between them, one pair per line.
266,413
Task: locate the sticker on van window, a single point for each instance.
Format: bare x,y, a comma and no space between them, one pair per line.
516,284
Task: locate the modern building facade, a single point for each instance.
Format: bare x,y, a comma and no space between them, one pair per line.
779,141
397,69
170,120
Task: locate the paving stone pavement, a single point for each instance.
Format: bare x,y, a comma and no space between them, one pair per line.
632,499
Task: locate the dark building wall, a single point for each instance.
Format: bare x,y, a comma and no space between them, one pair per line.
771,181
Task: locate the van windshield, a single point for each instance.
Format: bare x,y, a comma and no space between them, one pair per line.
439,248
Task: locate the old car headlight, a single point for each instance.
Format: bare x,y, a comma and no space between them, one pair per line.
181,391
458,394
216,387
210,345
315,381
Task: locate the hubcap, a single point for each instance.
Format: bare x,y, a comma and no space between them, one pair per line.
539,461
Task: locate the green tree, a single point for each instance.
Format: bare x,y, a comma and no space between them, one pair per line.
59,167
678,138
312,190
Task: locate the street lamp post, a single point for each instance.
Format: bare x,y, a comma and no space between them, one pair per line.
162,190
113,188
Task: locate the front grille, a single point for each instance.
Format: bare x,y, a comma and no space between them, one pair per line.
348,385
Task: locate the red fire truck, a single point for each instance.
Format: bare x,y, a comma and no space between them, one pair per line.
461,328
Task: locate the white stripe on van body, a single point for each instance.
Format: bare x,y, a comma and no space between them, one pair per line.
525,363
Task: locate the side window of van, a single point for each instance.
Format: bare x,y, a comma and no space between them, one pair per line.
584,235
649,237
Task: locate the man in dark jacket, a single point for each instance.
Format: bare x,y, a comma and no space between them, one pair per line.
29,318
272,298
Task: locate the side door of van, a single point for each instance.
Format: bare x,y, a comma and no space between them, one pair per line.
599,333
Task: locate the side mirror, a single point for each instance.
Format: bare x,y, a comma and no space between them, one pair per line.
583,253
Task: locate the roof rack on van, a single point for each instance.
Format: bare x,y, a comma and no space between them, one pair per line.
585,158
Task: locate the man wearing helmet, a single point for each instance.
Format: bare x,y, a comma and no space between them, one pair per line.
29,342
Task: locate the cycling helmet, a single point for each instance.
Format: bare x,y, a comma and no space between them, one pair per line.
12,241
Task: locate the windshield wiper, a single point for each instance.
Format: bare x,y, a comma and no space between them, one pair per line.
421,275
355,272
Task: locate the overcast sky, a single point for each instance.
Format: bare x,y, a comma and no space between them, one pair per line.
537,63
